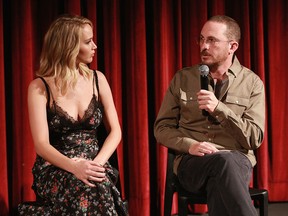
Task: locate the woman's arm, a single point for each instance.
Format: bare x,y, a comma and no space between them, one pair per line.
111,121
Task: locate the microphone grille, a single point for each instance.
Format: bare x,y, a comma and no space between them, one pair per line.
204,70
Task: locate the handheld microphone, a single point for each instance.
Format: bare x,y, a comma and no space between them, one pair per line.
204,80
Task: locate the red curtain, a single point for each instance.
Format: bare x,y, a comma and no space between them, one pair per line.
4,202
141,44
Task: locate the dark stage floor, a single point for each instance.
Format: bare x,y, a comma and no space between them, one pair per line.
274,209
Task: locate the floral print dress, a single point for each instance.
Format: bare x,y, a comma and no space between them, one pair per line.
59,192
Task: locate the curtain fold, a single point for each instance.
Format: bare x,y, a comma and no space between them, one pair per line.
277,94
23,152
261,171
4,193
113,71
164,67
141,44
136,101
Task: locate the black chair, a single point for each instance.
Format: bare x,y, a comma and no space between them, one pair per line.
259,196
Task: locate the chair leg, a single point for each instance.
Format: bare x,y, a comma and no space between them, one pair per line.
168,201
182,206
263,208
261,198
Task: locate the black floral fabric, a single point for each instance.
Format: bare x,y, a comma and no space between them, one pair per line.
60,192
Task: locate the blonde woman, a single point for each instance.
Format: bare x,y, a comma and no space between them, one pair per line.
67,103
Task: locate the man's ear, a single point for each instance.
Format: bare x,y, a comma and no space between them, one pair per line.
233,46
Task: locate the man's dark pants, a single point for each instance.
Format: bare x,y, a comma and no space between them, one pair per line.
224,176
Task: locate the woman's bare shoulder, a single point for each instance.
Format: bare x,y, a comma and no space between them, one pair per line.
37,85
100,74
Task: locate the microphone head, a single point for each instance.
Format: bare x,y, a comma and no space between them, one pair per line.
204,70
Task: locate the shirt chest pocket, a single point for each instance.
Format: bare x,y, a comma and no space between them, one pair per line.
237,104
188,100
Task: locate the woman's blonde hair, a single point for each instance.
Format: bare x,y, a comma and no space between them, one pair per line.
60,50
